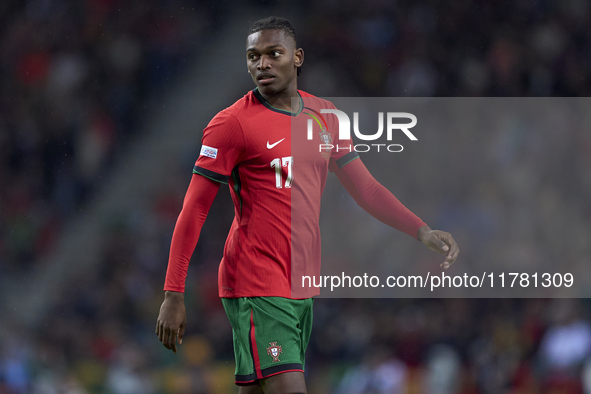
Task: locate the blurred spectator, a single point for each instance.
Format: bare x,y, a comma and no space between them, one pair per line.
443,370
377,374
565,347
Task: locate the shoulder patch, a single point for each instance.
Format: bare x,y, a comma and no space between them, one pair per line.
209,151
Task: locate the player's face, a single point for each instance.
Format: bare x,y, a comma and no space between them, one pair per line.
272,61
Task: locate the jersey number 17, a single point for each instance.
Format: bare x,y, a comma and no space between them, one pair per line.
283,162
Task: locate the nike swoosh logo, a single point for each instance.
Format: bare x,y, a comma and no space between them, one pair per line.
271,146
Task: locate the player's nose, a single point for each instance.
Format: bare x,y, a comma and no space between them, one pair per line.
264,63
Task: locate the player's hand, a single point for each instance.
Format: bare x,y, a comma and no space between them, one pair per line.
440,242
172,320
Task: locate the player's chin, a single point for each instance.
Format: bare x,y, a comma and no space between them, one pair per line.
268,88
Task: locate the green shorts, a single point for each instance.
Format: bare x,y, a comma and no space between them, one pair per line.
270,335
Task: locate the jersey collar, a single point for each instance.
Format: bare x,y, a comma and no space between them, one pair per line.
263,101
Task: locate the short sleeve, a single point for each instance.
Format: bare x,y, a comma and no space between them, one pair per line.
222,148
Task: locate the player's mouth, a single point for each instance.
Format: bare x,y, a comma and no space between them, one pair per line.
265,78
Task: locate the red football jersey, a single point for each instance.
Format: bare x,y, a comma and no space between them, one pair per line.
276,177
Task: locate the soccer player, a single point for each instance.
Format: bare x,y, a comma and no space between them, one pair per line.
250,147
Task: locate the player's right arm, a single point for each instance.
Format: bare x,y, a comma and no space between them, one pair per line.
171,322
222,148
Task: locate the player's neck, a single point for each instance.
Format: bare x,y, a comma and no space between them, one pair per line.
282,100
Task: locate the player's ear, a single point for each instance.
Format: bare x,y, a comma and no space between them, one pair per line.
298,57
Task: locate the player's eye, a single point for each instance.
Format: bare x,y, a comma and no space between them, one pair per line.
252,56
276,53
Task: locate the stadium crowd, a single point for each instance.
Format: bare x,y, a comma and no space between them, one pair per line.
70,103
75,79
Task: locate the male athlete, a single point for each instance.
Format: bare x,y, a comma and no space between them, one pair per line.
250,147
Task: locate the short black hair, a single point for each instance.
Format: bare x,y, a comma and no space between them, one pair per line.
276,23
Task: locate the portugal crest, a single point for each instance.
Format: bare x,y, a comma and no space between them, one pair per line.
274,351
325,139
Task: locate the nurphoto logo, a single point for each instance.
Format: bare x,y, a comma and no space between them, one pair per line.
392,124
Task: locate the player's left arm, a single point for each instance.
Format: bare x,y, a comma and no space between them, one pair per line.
378,201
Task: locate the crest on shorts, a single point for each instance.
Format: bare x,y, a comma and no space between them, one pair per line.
274,351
